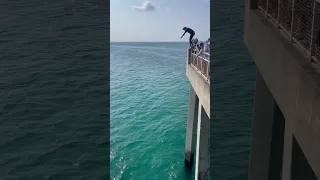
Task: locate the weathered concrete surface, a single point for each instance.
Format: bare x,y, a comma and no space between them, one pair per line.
191,127
267,135
198,112
261,131
300,168
293,82
203,140
200,86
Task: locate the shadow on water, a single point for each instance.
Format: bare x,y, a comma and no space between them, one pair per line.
189,172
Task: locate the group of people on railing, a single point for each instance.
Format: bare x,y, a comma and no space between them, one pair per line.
199,49
195,44
200,46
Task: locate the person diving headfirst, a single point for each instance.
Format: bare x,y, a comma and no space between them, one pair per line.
190,31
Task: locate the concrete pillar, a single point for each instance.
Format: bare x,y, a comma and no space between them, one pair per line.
277,144
261,131
203,140
267,135
251,4
191,127
300,167
287,152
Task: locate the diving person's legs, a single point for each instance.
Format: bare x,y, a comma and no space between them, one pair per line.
190,38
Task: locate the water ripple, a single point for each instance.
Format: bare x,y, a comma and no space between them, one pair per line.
148,110
53,94
233,81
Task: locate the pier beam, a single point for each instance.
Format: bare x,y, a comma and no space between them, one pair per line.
203,140
191,127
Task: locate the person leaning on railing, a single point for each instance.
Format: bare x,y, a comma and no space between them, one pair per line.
204,51
200,49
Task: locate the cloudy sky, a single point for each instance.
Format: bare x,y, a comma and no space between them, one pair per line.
158,20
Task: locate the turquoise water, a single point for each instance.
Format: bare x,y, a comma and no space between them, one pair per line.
54,92
148,110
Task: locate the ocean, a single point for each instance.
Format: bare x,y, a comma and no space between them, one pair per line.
148,110
232,91
54,90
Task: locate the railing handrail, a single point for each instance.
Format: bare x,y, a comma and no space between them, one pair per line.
291,17
200,64
202,58
205,53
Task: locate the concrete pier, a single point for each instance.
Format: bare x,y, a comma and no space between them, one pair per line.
191,127
198,122
267,135
286,121
203,139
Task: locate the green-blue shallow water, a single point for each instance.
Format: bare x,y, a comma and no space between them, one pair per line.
148,110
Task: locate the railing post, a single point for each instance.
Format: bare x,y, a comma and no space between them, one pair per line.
201,60
197,62
293,20
208,66
278,19
209,70
313,30
189,55
267,9
192,57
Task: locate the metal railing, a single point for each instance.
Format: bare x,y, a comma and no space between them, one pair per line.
299,19
200,62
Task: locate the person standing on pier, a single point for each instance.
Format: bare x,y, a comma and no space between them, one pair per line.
190,31
206,47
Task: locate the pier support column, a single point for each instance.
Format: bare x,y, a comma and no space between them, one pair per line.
203,140
267,135
191,127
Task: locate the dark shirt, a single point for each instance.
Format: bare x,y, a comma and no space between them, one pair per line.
190,31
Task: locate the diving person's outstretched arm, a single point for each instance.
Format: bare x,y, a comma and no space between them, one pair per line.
183,34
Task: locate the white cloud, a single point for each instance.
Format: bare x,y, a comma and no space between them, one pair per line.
167,9
146,6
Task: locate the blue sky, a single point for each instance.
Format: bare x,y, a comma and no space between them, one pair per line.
158,20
